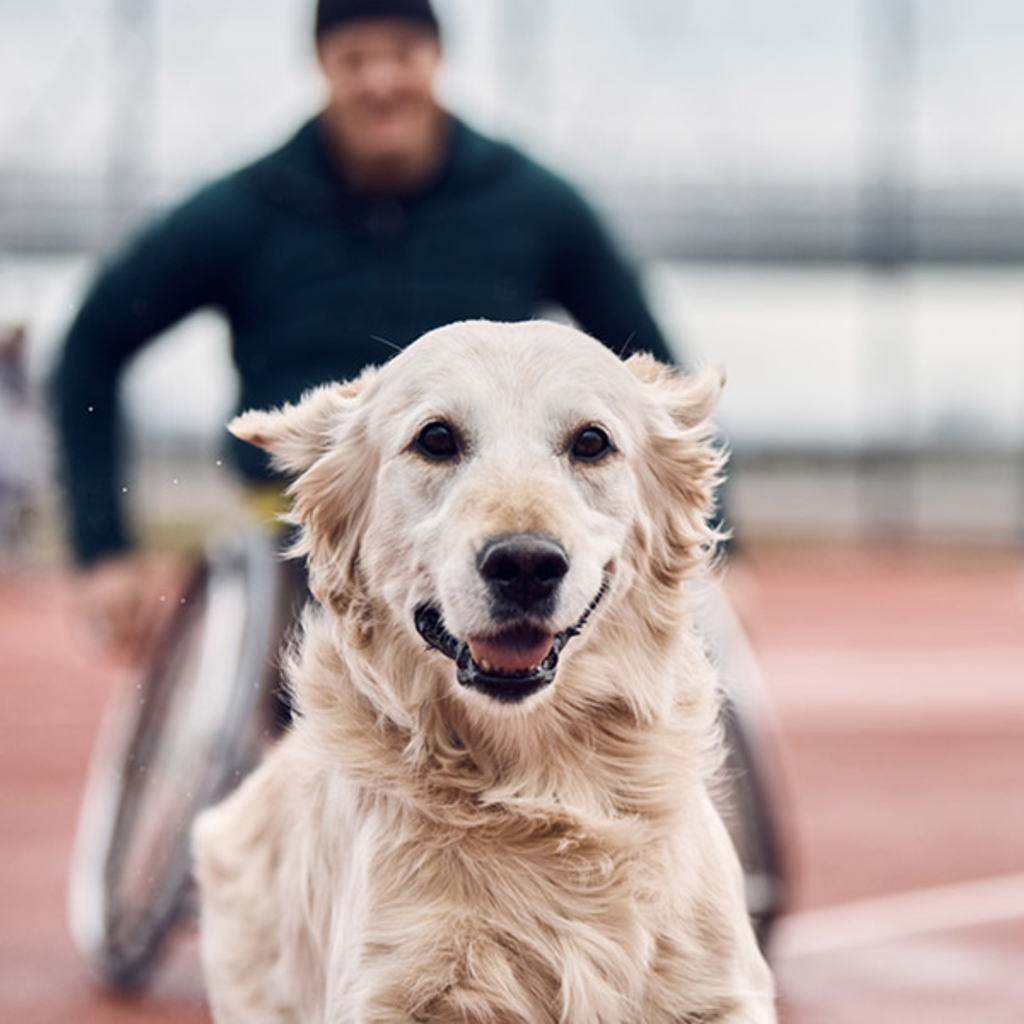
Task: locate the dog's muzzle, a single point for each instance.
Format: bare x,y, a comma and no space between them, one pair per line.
523,572
510,665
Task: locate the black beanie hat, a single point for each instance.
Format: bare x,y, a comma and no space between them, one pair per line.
332,13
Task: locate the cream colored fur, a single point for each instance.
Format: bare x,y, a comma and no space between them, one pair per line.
414,851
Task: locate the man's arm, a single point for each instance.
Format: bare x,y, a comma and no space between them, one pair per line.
171,270
592,281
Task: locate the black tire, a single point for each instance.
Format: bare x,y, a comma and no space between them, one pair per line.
748,795
173,741
751,823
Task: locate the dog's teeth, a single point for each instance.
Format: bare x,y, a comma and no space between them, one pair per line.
490,668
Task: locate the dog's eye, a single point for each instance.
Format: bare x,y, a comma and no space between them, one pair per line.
591,445
438,441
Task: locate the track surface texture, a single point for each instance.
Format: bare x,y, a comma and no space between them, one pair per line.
895,698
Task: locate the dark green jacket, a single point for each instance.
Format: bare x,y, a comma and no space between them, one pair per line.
312,276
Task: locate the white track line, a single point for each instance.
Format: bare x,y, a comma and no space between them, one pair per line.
887,918
914,689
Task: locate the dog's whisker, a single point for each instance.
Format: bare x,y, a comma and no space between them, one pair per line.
384,341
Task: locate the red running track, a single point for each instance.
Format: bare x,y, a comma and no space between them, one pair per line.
896,684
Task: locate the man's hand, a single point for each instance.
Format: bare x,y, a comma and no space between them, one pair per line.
125,602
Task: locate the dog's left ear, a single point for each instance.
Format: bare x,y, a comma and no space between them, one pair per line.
689,399
296,436
322,441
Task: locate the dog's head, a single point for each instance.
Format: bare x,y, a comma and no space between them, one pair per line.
498,490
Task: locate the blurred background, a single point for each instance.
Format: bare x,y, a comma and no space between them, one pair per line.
825,197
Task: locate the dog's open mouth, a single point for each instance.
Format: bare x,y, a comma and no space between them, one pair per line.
509,665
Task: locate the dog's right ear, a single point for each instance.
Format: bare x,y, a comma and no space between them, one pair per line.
683,465
322,442
296,436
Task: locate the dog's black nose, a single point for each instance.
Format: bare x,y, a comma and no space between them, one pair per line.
523,569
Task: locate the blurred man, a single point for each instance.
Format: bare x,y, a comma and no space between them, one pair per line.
383,217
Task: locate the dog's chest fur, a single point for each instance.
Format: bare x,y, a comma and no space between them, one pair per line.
461,883
528,905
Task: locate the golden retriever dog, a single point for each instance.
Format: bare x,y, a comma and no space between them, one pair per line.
493,806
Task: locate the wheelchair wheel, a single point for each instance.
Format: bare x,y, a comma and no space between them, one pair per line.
173,740
752,826
748,796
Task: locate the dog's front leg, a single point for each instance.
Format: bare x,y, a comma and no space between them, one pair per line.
449,1007
393,1003
444,977
709,968
758,1008
248,941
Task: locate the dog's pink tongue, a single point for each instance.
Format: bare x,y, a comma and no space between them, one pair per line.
512,653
